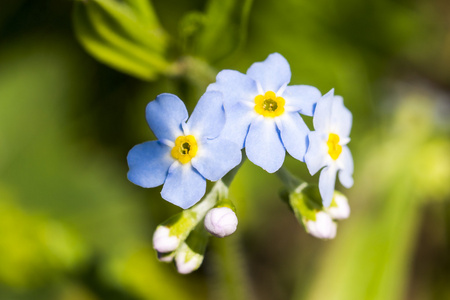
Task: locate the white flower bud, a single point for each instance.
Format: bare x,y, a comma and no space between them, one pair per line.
187,260
339,208
165,257
221,221
164,242
323,227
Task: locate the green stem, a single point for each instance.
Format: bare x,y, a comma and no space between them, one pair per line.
218,191
195,69
290,181
231,279
210,200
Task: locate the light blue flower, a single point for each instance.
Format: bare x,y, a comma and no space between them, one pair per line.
328,145
186,153
263,111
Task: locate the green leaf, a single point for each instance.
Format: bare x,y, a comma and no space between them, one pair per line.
219,32
143,10
125,37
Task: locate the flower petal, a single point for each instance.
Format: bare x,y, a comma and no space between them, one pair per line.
149,163
184,186
238,119
235,87
327,180
294,133
272,73
346,167
208,117
217,157
341,118
263,145
341,210
316,155
302,97
322,113
165,115
323,227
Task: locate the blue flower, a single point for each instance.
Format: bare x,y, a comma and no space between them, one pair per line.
186,153
263,111
328,145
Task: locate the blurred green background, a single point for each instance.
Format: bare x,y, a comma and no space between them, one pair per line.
75,77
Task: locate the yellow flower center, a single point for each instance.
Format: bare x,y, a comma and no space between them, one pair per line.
185,148
334,149
269,105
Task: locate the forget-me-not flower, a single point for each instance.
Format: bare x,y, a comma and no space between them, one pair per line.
263,111
186,153
328,145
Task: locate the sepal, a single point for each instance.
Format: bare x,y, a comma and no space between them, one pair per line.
305,201
319,221
189,256
169,235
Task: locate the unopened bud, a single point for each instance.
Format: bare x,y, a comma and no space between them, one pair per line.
172,232
164,242
339,208
166,257
221,221
323,227
189,256
186,260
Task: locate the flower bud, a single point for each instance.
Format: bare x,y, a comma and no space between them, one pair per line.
221,221
166,257
189,256
323,227
172,232
186,260
164,242
305,202
339,208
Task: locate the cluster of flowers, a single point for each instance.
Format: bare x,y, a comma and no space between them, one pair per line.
257,111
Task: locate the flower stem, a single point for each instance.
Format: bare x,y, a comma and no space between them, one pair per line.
218,191
231,279
290,181
198,71
231,276
210,200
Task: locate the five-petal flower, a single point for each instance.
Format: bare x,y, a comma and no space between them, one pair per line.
328,145
186,153
263,111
